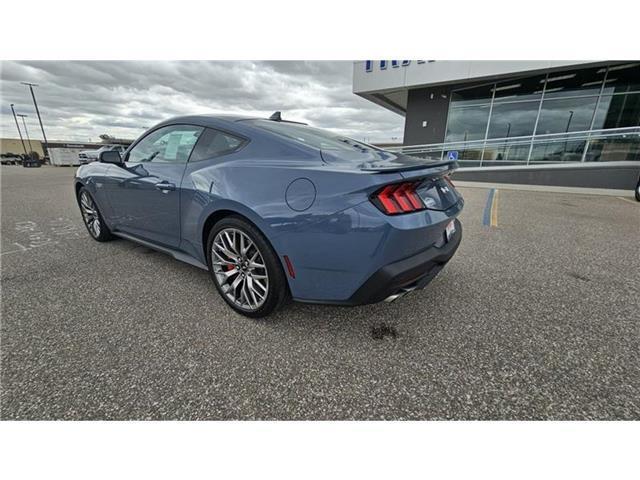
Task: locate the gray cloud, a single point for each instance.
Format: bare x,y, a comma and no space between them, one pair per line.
81,100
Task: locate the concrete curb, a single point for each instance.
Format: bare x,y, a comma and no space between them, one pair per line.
547,188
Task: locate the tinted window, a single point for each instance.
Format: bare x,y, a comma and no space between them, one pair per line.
472,96
468,123
215,143
513,119
171,144
314,137
521,89
571,84
567,151
618,111
568,115
623,78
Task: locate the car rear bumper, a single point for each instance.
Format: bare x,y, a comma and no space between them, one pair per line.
408,274
397,278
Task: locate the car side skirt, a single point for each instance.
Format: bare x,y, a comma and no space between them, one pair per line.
181,256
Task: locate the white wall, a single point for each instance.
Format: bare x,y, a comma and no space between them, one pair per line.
442,71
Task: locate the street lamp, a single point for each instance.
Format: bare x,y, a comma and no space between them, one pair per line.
35,104
506,139
18,127
569,122
26,132
566,138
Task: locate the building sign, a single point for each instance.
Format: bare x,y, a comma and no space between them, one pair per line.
383,64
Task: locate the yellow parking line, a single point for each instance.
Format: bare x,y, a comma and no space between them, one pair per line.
494,210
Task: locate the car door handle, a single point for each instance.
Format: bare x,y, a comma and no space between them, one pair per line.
165,186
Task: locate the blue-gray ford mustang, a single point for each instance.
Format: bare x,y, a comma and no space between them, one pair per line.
277,210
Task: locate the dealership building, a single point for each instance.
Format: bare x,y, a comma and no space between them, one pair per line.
564,123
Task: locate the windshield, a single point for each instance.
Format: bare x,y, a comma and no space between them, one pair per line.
314,137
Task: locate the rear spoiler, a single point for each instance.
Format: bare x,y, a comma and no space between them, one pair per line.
439,167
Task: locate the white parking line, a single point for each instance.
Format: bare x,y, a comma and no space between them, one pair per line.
628,200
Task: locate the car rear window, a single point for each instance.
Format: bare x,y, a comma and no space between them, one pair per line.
313,137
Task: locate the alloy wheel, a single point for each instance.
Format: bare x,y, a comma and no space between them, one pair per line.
239,269
90,214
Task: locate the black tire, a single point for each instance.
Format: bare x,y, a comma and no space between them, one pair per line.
100,234
638,191
278,289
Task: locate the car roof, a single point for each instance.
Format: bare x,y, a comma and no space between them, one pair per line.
230,122
208,119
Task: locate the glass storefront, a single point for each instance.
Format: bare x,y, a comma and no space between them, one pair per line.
558,117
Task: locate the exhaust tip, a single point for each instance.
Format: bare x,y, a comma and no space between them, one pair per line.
393,297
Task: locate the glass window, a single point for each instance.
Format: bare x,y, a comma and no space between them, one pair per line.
577,82
520,89
171,144
623,78
472,96
506,153
215,143
513,119
613,150
618,111
314,137
566,115
555,151
468,123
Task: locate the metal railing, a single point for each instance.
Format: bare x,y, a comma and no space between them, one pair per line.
617,144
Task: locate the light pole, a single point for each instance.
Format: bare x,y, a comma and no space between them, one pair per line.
566,138
35,104
26,132
506,139
569,122
18,127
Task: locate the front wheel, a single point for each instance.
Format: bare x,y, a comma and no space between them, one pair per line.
245,269
92,218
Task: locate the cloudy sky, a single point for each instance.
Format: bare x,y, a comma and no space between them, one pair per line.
79,101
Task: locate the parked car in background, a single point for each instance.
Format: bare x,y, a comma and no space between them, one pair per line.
31,161
10,159
88,156
277,210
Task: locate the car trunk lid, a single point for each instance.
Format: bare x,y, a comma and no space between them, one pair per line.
427,175
381,161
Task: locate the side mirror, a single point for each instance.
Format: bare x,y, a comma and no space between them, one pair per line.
111,156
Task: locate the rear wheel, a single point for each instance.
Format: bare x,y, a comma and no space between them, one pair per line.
245,269
92,218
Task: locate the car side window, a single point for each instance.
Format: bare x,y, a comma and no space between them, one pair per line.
215,143
171,144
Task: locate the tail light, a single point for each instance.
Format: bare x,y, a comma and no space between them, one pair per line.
398,198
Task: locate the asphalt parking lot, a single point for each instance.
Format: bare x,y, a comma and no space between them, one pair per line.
536,317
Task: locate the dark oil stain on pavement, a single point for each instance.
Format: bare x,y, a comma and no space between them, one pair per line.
378,332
